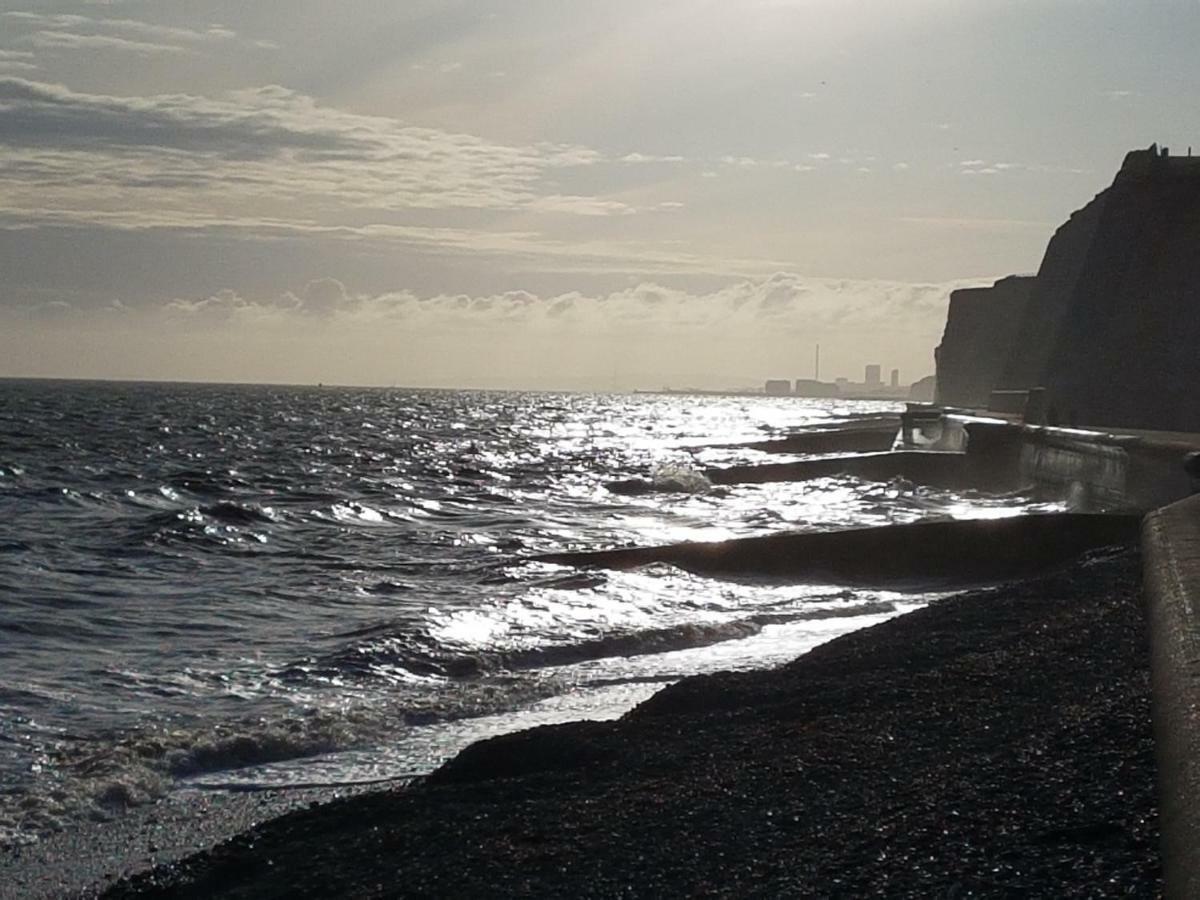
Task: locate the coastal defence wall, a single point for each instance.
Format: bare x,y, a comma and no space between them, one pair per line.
981,328
1171,579
1090,470
1109,471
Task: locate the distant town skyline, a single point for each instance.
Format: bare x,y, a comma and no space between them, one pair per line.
548,194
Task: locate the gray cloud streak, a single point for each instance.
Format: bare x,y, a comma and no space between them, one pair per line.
130,30
266,143
68,40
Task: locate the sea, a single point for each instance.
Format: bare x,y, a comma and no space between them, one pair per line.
213,588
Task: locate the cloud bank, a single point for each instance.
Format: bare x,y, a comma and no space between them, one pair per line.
645,336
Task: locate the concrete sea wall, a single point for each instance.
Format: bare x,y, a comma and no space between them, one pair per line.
1171,579
1092,470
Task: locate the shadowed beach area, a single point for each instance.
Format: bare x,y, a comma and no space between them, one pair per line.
996,743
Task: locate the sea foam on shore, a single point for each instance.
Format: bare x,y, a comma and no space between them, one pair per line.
993,743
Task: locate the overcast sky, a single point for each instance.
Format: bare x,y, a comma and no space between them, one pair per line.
549,193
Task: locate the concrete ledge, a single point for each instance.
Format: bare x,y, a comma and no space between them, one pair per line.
1171,560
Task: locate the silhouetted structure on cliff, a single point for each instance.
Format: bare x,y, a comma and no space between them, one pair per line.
1111,324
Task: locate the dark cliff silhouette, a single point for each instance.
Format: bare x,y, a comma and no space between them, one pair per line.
981,329
1111,326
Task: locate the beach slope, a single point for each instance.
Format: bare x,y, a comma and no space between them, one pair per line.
994,743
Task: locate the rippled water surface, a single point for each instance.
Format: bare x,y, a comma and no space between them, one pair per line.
218,587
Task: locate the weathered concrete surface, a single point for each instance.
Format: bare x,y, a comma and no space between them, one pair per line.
937,469
1107,470
981,328
925,554
1118,469
862,436
1171,563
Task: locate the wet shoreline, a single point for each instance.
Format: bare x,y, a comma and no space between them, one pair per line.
991,743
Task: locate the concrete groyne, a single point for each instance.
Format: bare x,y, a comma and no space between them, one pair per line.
922,554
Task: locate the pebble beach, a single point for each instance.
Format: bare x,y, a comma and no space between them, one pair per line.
996,743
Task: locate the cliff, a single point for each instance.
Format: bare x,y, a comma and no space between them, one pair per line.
1127,351
1110,327
981,329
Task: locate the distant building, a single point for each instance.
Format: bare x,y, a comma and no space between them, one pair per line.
873,379
895,378
778,387
811,387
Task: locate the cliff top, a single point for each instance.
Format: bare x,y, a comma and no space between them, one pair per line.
1159,159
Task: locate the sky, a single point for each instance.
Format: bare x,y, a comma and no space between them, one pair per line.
548,193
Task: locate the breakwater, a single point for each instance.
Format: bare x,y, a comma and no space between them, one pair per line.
924,555
1091,470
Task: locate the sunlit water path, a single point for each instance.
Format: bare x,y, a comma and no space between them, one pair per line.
237,587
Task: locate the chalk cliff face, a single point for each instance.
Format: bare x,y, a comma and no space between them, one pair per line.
978,342
1127,351
1111,326
1051,296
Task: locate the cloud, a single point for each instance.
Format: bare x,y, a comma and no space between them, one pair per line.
979,223
65,31
65,40
582,206
982,167
224,306
634,158
528,250
783,301
17,60
255,149
644,335
323,297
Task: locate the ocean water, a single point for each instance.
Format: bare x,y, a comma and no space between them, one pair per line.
227,588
